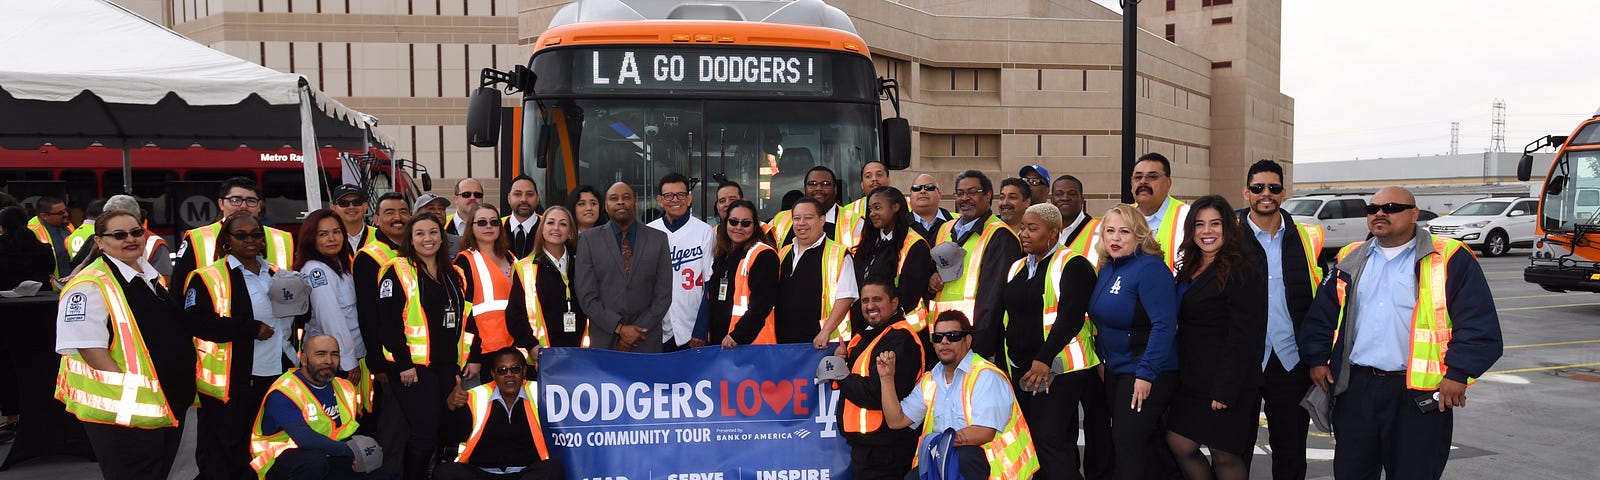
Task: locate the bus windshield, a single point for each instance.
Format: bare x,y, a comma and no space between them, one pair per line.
765,146
1577,200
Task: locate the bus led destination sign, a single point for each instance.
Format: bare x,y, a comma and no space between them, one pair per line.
703,70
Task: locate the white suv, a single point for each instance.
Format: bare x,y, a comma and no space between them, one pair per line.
1343,218
1492,225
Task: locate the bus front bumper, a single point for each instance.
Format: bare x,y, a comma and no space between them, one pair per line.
1563,279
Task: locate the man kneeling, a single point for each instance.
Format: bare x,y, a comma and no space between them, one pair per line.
507,440
311,417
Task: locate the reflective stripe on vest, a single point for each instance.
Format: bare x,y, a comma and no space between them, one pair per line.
849,223
264,449
528,274
380,253
1010,454
832,268
741,297
781,225
1088,242
481,401
416,320
492,288
919,312
44,237
1079,353
81,236
131,398
1171,232
1430,319
214,360
280,248
959,294
864,420
1311,239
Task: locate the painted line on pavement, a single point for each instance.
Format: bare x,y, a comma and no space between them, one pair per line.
1540,369
1518,309
1552,344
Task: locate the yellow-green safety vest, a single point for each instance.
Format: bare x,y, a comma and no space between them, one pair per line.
131,398
416,321
915,314
832,268
960,294
279,251
1079,354
1311,239
1430,320
850,220
264,449
43,234
215,359
1170,235
81,236
1088,241
1011,455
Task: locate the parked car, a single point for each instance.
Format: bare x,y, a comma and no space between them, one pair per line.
1343,218
1491,225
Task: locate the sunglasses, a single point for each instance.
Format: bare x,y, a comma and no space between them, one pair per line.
255,235
471,194
121,235
1389,208
351,203
952,336
1037,182
925,187
1275,188
486,223
507,370
740,223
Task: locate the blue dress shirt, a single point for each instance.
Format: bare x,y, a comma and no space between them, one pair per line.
1280,326
1386,295
991,400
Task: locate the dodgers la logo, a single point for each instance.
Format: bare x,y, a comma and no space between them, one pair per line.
1116,287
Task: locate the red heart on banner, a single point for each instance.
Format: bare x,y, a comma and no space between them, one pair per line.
777,394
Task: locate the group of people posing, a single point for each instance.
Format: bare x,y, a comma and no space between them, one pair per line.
1178,321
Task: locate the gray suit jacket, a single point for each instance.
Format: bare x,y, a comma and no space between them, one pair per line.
613,296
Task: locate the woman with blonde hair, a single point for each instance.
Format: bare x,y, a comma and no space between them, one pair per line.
1135,307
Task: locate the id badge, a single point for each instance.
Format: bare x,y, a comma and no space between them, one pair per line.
722,290
450,319
569,322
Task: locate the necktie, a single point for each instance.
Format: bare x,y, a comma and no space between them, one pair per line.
520,241
627,252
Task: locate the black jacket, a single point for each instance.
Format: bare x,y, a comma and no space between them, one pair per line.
1222,332
763,278
552,293
1023,303
1297,285
867,392
364,272
240,327
1002,251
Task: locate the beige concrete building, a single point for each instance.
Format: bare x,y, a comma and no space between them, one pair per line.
985,84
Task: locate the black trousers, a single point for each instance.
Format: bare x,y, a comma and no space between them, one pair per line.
1139,436
422,403
1380,429
882,462
1053,418
133,453
222,437
300,463
543,470
971,461
1287,423
1099,457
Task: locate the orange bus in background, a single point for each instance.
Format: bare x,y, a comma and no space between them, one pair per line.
752,91
1566,255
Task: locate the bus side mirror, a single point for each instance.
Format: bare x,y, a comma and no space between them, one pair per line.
1556,185
427,182
1525,167
483,117
896,132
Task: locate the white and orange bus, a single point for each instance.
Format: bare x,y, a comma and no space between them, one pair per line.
1566,255
753,91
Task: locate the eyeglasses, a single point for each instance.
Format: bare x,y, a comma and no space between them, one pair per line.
61,213
740,223
674,196
1389,208
254,235
951,336
1275,188
350,203
823,183
969,193
507,370
238,200
123,235
1035,181
925,187
471,194
486,223
1147,178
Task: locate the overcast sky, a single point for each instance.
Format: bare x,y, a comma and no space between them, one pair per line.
1385,78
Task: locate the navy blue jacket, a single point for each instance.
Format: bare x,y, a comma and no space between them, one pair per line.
1475,342
1135,306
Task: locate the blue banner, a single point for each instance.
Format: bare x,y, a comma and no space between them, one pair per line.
751,413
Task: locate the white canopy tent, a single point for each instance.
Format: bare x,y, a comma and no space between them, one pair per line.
79,72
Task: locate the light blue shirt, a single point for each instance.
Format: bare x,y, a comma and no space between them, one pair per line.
1280,326
269,353
1033,265
991,401
964,225
1386,295
1154,220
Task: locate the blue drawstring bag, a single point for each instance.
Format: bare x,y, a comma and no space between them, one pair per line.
937,459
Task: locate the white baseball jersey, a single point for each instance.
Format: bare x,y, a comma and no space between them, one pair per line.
691,247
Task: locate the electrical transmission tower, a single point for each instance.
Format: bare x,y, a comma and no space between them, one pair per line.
1497,132
1455,138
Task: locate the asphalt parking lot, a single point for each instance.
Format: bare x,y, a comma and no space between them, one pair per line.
1532,417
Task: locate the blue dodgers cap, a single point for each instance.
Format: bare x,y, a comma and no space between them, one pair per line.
1034,168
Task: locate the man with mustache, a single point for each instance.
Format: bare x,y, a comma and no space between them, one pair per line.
1399,330
1014,197
1289,249
383,418
469,193
1152,180
822,185
523,221
307,424
990,248
877,451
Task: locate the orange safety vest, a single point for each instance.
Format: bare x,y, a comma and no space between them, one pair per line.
864,420
741,297
480,400
264,449
491,289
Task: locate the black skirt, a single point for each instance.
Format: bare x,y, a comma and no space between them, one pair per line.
1229,429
